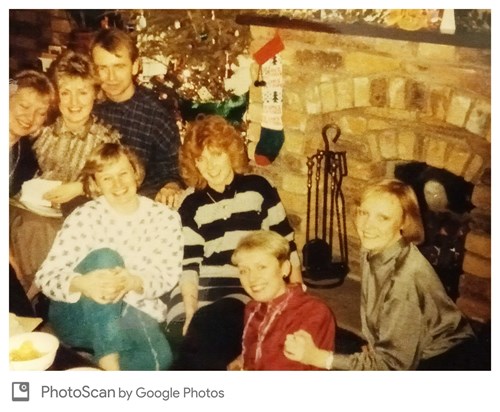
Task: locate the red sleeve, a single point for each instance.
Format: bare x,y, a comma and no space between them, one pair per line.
305,312
320,323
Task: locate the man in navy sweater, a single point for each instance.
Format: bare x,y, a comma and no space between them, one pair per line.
143,122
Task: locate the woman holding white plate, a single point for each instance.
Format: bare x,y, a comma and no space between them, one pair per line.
61,151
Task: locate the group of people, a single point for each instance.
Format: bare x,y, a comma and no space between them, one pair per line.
171,255
103,119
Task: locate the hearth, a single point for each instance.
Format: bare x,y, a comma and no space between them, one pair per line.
445,205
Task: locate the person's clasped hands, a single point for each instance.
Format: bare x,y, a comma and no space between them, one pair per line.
107,285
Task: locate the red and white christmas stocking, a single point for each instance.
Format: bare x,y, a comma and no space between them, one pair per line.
270,79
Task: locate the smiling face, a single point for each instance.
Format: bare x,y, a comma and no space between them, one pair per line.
261,274
76,99
117,182
379,221
216,168
116,72
28,111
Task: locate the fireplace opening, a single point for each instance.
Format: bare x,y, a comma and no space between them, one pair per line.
445,202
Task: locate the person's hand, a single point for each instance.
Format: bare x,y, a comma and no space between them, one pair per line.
296,345
189,291
102,285
187,321
128,283
64,193
236,364
170,195
296,275
300,347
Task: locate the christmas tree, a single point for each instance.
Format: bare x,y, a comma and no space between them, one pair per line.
199,48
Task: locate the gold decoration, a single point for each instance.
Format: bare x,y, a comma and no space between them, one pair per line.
409,19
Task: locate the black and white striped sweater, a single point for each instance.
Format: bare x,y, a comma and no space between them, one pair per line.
213,223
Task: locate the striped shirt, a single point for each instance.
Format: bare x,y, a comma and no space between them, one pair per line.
213,223
150,129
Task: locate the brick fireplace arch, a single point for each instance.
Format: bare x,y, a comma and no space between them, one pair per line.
395,102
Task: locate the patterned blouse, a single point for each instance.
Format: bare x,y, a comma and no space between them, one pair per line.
61,153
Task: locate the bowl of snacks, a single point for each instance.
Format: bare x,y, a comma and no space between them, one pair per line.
32,351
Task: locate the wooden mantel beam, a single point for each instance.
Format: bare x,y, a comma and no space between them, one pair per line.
474,40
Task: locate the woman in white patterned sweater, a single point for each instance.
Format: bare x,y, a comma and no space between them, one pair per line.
110,263
225,206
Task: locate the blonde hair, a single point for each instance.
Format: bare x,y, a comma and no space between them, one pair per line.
265,240
74,65
103,155
35,80
214,132
41,84
412,229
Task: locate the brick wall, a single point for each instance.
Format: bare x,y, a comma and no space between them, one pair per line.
29,35
395,101
31,32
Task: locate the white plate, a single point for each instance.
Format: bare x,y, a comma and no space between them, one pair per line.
42,210
32,196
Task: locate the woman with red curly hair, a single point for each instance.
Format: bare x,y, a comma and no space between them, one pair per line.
226,204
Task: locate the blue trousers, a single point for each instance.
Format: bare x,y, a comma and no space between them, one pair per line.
111,328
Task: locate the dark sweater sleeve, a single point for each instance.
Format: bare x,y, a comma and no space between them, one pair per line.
24,168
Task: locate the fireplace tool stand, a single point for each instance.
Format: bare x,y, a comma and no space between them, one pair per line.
326,216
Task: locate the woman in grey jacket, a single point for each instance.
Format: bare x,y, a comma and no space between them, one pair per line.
408,320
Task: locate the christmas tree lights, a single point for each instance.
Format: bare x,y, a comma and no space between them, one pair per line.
199,48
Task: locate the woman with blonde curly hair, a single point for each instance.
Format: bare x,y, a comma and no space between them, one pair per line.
31,102
32,97
63,148
226,205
